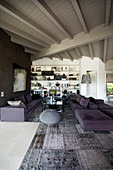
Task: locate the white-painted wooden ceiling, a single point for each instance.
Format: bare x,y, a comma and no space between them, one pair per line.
60,28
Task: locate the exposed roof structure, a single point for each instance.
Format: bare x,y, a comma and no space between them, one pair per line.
60,28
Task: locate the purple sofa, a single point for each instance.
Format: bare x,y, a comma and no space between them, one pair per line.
92,114
20,113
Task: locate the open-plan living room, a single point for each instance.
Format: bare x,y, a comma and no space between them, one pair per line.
56,84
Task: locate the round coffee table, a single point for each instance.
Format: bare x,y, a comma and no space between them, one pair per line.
50,116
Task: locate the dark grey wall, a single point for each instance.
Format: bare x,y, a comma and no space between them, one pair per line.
11,53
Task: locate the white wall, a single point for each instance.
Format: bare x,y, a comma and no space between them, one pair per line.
88,64
54,61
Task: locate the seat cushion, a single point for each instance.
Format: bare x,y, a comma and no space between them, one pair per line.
94,120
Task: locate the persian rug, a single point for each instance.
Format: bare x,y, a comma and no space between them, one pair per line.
67,146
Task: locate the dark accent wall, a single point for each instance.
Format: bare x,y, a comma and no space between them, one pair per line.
11,53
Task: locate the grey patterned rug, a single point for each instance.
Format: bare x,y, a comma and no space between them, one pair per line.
67,146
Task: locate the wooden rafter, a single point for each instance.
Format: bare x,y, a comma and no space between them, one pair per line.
50,14
91,51
5,6
21,33
79,14
107,12
69,55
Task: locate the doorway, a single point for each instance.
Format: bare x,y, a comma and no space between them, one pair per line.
92,88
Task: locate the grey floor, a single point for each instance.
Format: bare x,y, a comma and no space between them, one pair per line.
67,146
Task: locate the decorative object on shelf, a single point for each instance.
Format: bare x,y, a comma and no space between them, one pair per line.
32,68
53,68
38,68
34,74
57,84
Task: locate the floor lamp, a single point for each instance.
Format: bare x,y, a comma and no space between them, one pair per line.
86,79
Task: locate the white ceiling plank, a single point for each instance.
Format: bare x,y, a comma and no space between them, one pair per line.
105,50
69,55
5,6
27,50
78,52
25,43
91,51
107,12
79,14
50,14
21,33
97,33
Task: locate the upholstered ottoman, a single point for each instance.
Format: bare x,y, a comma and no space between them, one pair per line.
94,120
50,116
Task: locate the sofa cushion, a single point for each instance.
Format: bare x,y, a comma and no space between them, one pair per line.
22,98
84,101
92,105
79,98
28,98
73,97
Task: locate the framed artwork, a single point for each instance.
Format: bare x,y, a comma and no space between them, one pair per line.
19,78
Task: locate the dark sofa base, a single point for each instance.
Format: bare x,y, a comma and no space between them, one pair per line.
94,120
98,116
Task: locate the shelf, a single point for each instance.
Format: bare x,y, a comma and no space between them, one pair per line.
70,72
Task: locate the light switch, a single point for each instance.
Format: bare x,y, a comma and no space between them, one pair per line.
2,94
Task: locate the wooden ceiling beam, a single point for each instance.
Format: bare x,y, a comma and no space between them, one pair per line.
107,12
79,14
78,52
69,55
28,50
59,56
91,50
25,43
21,33
5,6
50,14
105,50
96,34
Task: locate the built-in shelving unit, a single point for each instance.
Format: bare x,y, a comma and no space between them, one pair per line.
45,78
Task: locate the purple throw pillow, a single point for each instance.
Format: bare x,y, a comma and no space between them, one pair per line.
84,102
92,105
22,98
28,98
78,98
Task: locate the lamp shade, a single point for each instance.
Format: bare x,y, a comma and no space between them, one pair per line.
86,79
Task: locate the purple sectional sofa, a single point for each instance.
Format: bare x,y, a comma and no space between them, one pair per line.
92,114
20,113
